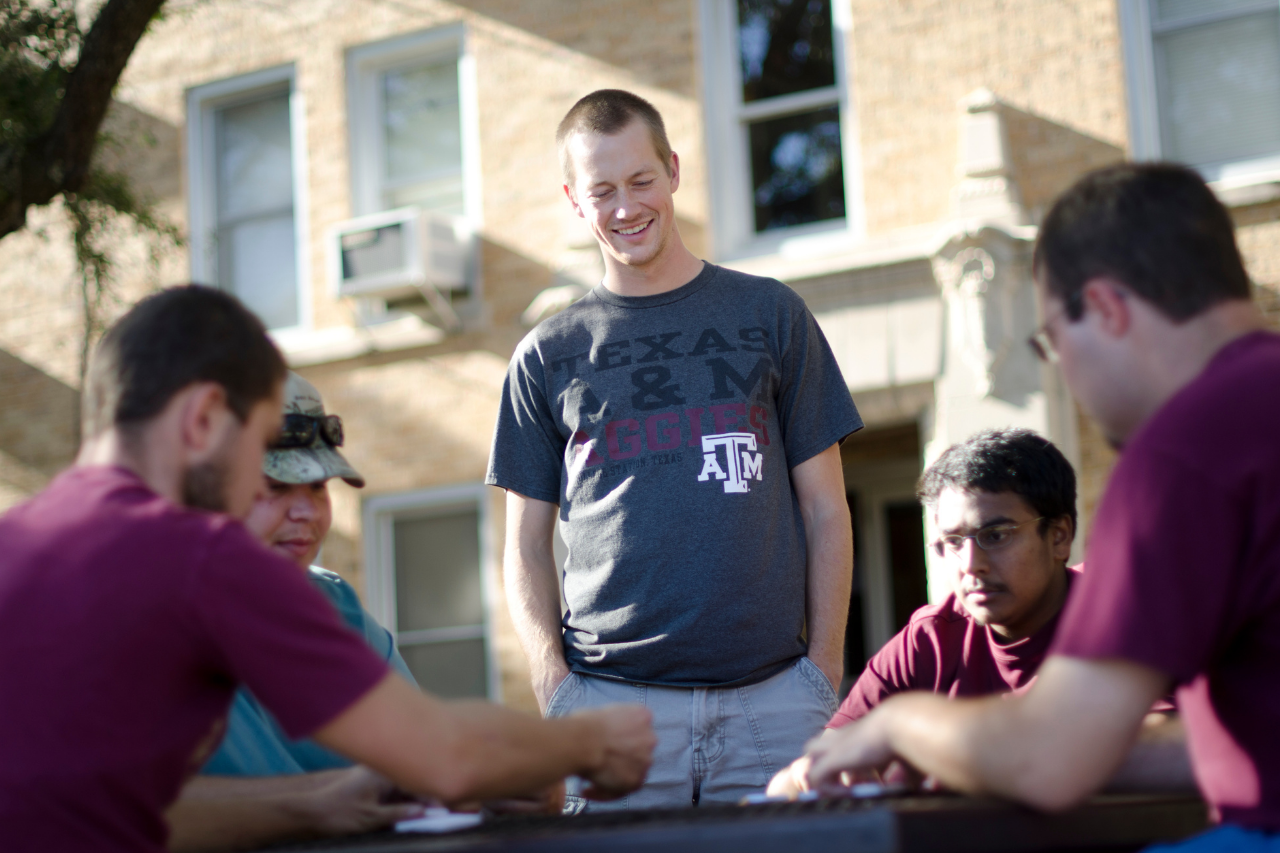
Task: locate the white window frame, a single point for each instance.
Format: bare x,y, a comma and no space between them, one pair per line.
379,514
364,106
202,199
725,117
1144,104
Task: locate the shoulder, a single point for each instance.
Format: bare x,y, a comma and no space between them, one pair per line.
1223,405
937,628
340,593
574,319
946,613
330,582
746,285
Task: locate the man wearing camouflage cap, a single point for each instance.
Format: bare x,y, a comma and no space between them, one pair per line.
288,788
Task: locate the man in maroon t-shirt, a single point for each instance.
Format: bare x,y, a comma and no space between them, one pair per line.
132,603
1148,310
1004,502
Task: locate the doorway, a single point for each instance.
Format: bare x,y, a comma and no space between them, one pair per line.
890,580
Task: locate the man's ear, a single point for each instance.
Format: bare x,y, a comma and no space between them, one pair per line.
1108,300
1061,535
675,171
568,193
204,419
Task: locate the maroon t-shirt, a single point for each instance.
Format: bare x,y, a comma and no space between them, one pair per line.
1184,572
943,650
125,624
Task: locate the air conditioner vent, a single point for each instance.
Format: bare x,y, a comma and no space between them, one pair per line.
396,254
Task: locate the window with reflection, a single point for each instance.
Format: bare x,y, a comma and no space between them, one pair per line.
1205,84
253,205
790,112
1218,78
422,138
440,615
406,124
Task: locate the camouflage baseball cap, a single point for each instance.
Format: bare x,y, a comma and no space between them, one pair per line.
314,463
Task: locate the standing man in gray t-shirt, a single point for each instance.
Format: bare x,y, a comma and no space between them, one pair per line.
684,422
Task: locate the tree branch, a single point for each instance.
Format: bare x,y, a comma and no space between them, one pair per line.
58,160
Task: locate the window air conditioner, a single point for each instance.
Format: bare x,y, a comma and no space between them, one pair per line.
399,253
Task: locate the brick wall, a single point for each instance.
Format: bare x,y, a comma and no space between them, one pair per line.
912,60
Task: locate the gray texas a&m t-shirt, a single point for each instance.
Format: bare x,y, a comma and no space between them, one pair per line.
665,428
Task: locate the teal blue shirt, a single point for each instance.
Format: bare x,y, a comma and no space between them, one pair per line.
255,745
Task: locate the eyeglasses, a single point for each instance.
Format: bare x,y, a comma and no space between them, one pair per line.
302,431
990,538
1040,342
1042,345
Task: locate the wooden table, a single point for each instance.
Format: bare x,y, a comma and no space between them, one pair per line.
938,824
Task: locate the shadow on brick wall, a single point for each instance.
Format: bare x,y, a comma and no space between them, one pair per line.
146,148
39,422
607,30
1048,157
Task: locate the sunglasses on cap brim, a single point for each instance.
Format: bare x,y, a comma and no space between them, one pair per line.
302,431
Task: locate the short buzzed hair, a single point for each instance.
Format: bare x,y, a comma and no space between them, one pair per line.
1006,460
170,340
1157,227
608,111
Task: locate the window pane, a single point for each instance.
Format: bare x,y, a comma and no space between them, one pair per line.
796,174
1169,11
785,47
256,262
422,133
254,159
253,164
437,561
443,195
452,670
1220,90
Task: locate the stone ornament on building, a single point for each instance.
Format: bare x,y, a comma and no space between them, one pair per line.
985,283
987,189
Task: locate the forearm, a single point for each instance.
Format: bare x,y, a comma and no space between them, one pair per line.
1049,748
829,548
827,590
532,585
460,752
534,597
230,813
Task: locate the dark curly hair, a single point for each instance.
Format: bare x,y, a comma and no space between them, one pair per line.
1006,460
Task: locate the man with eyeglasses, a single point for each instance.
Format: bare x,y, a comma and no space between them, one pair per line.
1149,313
1004,502
262,786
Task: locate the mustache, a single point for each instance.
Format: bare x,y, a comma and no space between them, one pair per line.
984,587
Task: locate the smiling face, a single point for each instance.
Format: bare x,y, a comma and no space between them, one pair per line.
624,191
292,519
1015,588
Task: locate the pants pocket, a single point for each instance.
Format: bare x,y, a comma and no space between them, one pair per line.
560,698
821,685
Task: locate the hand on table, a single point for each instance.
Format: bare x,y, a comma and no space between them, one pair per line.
793,780
359,800
841,757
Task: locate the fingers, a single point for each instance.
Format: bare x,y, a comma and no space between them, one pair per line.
549,801
791,781
391,814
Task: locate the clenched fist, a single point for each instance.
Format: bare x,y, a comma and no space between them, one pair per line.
628,740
